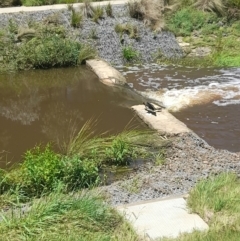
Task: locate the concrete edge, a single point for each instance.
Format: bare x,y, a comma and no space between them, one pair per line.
105,72
184,196
56,7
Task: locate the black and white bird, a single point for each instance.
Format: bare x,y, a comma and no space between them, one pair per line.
151,108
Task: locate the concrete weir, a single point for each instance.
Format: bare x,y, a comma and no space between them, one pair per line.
105,72
163,121
153,219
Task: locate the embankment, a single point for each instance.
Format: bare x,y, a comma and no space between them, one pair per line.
102,34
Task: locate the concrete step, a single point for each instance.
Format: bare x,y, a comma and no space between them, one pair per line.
162,218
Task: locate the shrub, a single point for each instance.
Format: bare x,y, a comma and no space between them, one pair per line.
80,172
41,170
130,54
52,51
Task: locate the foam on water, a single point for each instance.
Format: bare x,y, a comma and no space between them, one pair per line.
181,90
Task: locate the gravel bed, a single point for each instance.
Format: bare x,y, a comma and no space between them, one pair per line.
102,35
189,159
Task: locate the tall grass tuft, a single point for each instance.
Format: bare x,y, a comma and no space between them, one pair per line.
150,11
81,216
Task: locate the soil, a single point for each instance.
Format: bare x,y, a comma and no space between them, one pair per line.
189,159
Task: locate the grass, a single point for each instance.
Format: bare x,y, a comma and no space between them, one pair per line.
127,28
76,19
109,10
82,216
186,20
217,201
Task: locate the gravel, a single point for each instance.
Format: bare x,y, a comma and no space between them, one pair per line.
189,159
105,39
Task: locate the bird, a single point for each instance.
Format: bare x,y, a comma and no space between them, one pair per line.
151,108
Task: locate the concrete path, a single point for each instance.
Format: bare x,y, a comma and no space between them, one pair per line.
163,121
56,6
162,218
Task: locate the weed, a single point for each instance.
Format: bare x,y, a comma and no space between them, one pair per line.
52,51
133,185
109,10
129,53
160,158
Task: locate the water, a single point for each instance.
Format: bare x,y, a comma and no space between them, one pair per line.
41,106
207,100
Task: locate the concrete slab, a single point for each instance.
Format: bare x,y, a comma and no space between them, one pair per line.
163,121
165,218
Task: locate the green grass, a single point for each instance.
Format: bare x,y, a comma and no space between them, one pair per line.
186,20
130,54
217,201
82,216
47,46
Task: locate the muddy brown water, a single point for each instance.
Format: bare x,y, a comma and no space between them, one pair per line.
207,100
41,106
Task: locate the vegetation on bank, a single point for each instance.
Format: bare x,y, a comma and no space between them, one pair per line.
42,45
43,198
59,216
214,24
217,201
79,164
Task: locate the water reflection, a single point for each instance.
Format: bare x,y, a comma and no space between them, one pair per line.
39,106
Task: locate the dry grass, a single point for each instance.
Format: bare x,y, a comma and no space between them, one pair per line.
150,11
210,6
